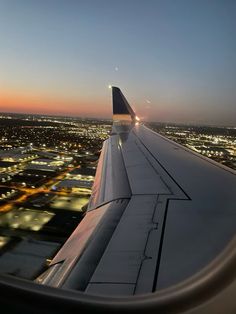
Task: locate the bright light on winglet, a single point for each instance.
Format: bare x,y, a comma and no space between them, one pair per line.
109,86
137,120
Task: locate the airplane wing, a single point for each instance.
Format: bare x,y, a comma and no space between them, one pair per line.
158,235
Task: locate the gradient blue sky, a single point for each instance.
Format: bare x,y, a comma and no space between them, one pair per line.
175,60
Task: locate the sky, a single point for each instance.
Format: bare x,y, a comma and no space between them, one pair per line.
174,60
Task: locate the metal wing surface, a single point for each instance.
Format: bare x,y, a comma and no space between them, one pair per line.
158,235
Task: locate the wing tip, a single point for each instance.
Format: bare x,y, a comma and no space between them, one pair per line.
121,107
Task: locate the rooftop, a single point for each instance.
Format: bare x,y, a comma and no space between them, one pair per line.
83,171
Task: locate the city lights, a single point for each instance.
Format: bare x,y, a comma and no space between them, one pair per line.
47,170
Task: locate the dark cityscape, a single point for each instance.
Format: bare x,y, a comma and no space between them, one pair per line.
47,168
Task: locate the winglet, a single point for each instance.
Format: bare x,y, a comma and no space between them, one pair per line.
121,108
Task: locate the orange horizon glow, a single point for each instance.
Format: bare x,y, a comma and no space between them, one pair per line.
32,103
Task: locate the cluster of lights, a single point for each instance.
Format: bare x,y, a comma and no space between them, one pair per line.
27,219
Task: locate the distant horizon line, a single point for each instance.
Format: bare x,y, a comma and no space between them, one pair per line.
110,119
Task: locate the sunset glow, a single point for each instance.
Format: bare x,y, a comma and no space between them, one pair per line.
28,102
177,65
